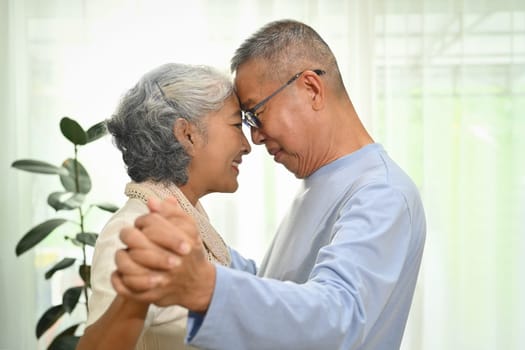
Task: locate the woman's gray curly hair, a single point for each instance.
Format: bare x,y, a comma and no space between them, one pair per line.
142,127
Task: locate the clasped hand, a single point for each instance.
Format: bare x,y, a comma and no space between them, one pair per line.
164,262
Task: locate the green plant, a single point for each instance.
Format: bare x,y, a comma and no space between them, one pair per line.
76,184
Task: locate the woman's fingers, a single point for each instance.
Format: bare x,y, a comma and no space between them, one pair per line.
134,238
155,258
177,233
152,288
132,287
126,265
153,205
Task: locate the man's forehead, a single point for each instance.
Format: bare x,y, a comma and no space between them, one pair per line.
248,88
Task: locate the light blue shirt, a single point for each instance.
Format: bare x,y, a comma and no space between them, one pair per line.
340,273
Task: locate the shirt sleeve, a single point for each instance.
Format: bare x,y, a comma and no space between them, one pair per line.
238,262
349,286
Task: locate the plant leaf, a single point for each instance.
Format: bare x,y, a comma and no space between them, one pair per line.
68,181
106,206
62,264
88,238
74,241
37,234
96,131
85,273
54,200
70,298
37,166
48,319
65,200
73,131
67,340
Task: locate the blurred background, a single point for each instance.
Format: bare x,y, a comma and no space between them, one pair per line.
441,84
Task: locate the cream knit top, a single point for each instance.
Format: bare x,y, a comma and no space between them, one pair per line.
213,243
165,327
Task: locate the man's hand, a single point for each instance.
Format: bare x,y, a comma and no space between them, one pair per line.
164,262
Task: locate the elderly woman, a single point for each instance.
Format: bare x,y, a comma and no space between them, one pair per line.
179,131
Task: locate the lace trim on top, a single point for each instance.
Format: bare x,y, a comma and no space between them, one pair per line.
214,245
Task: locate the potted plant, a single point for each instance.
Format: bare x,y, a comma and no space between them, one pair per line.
76,184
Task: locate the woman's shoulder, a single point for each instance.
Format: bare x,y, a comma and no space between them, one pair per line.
125,216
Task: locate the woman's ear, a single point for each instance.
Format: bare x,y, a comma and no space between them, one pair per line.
186,134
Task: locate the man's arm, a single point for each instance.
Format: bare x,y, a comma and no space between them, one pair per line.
241,263
350,285
359,291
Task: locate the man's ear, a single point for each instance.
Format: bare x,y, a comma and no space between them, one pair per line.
186,134
315,88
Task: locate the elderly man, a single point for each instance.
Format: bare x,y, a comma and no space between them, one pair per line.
342,268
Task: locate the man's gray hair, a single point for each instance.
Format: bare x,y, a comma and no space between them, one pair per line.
142,126
288,46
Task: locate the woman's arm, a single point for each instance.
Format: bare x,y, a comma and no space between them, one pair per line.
114,322
119,328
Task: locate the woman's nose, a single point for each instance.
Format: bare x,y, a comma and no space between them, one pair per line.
247,148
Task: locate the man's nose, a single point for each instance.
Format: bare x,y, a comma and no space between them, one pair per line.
257,136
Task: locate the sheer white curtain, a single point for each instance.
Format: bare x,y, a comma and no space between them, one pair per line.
440,86
17,280
450,105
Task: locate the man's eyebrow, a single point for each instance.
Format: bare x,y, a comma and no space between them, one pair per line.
248,102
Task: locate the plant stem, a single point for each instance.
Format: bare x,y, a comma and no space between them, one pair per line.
81,214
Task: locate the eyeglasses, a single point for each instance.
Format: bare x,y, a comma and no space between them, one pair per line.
250,118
